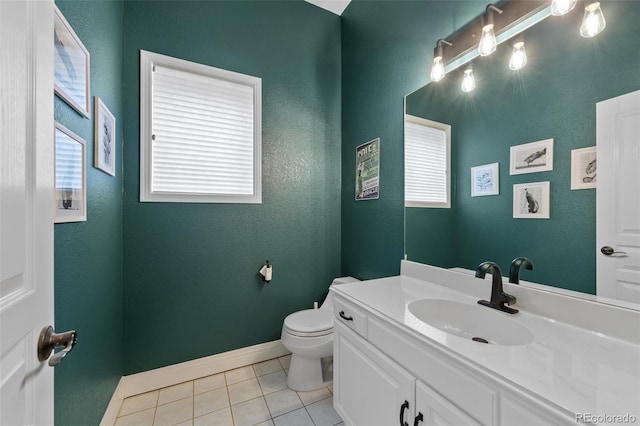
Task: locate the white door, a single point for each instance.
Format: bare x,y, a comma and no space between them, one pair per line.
26,208
618,198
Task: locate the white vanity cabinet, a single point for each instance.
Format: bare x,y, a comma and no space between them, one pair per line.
384,376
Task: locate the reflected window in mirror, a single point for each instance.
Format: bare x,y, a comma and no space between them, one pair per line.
427,161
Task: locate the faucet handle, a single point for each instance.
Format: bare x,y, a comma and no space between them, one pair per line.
509,299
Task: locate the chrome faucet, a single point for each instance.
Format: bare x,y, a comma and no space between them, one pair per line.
514,270
498,296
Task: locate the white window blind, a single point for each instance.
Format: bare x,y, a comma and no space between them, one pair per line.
202,133
426,163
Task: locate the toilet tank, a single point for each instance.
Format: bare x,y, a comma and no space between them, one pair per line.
328,302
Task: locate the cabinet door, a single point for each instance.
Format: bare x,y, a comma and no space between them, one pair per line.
369,388
436,410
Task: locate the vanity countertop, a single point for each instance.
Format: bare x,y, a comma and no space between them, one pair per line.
578,370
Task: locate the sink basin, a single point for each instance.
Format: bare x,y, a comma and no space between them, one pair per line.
472,322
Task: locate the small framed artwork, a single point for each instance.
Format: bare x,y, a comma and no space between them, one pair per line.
368,170
485,180
71,66
70,176
531,200
104,138
583,168
531,157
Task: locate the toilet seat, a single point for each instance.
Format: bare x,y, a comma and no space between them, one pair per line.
309,323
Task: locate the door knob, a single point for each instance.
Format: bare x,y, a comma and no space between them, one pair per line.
49,340
608,251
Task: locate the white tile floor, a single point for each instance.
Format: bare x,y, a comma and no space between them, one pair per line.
253,395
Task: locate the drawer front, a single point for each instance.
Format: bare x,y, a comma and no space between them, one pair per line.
455,384
348,314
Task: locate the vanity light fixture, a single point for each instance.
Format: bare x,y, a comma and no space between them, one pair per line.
519,56
593,21
468,81
488,41
437,70
562,7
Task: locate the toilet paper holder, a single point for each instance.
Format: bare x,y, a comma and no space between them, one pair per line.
266,272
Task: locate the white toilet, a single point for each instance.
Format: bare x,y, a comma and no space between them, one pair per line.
308,335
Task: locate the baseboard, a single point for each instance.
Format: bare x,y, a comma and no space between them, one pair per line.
135,384
111,413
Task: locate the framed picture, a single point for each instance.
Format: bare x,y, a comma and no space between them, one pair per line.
368,170
485,180
104,138
531,157
531,200
70,176
71,66
583,168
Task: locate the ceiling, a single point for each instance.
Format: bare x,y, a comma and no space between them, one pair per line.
335,6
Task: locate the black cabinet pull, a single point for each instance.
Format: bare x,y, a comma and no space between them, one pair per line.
418,419
402,408
344,317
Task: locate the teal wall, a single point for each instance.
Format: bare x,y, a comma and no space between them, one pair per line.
191,284
88,255
386,50
554,96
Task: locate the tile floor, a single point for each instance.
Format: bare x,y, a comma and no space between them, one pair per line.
253,395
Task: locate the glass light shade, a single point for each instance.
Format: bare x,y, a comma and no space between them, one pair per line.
593,22
561,7
487,41
437,70
518,57
468,81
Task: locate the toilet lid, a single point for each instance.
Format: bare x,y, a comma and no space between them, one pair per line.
309,321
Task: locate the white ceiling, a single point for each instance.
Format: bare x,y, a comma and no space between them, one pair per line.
335,6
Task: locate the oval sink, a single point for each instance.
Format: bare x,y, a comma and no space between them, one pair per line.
472,322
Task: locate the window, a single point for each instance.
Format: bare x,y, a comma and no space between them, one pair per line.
427,148
200,133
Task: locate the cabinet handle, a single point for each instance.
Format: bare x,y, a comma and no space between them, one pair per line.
418,419
344,317
402,408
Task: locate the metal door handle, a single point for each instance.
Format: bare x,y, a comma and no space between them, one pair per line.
49,340
608,251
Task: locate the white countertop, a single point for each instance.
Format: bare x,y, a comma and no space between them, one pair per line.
577,370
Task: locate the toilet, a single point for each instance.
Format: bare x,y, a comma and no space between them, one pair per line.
308,334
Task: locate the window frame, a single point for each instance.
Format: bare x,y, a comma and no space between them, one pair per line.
148,60
447,129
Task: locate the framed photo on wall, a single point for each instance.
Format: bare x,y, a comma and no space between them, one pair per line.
531,200
70,66
583,168
485,180
368,170
104,145
70,176
531,157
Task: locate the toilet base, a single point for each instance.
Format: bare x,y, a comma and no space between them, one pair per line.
307,374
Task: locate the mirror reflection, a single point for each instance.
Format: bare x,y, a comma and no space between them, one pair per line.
553,97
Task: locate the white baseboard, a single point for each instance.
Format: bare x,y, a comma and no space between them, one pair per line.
111,413
147,381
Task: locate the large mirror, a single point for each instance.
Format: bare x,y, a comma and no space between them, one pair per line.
553,97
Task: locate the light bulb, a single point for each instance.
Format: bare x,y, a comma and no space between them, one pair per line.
487,41
593,22
561,7
468,81
518,57
437,70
